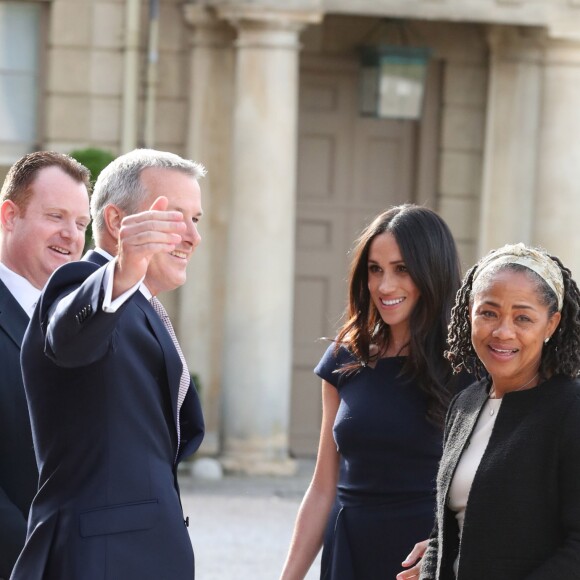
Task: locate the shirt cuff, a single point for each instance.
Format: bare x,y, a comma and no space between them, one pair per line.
113,306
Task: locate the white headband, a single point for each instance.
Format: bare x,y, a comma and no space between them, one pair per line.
536,261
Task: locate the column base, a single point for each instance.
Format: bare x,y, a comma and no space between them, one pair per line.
210,446
258,457
251,466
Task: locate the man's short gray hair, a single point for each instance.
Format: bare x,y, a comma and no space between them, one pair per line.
119,183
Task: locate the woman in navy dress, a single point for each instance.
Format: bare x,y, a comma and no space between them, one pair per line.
385,387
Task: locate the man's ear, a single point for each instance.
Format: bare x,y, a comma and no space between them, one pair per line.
9,211
113,217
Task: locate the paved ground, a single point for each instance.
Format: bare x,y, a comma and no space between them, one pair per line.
240,527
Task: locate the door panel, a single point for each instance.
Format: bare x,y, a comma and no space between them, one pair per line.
383,159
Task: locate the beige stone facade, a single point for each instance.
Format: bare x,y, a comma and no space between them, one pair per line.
264,93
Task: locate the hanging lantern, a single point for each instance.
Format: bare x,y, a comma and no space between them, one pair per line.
392,81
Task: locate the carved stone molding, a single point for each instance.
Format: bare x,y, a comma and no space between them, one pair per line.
283,17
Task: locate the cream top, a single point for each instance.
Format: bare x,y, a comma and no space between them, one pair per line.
469,462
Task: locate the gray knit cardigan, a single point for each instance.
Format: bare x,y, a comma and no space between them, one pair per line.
522,519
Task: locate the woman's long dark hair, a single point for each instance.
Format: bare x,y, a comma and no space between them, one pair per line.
431,258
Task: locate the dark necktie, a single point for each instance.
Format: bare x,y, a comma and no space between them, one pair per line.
185,377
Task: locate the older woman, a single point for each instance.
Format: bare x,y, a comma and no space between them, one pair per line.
508,504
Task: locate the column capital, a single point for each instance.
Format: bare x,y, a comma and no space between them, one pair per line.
564,24
207,29
562,49
199,15
537,44
518,41
267,29
250,15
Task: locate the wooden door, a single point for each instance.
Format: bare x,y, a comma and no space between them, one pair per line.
349,169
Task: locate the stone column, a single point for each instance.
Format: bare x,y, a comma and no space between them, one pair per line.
201,299
558,163
512,133
260,262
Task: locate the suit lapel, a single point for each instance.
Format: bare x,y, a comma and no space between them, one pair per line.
13,319
173,366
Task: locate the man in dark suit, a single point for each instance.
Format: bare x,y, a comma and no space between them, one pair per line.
112,405
44,211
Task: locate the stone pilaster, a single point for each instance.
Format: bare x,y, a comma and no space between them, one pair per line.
531,185
512,133
558,160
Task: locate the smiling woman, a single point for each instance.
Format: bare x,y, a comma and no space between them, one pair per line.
509,323
386,386
508,495
392,290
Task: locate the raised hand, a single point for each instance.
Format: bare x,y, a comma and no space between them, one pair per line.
141,236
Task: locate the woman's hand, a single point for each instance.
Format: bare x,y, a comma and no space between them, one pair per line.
413,558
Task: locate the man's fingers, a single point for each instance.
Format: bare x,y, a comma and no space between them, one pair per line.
147,250
156,213
130,228
138,239
145,234
160,203
153,216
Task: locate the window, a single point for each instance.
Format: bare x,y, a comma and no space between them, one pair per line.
19,74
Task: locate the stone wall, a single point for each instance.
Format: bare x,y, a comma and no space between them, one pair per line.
84,76
86,69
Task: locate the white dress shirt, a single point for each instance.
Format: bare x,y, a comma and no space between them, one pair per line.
23,291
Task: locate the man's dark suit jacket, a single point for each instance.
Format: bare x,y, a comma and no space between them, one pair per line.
522,519
102,391
18,472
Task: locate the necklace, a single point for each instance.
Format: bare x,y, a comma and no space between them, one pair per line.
402,348
492,390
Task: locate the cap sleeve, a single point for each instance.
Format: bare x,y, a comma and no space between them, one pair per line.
330,364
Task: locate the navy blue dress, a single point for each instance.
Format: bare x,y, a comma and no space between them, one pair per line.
389,454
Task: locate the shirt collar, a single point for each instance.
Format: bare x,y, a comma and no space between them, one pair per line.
23,291
145,291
